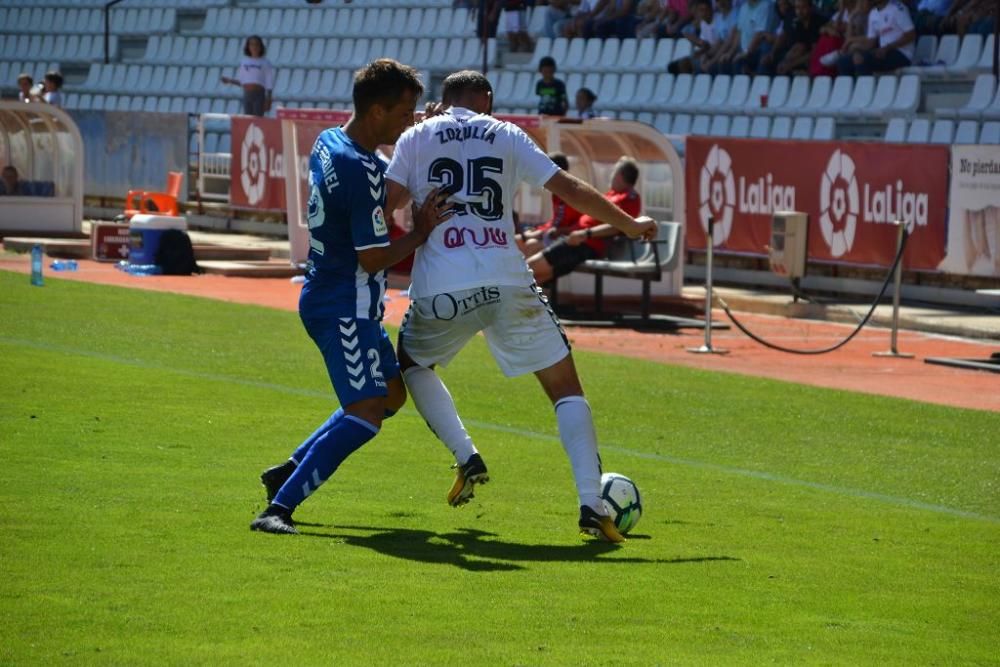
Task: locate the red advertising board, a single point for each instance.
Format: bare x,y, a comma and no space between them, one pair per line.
257,179
852,192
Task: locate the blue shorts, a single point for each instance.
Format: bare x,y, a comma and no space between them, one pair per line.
358,353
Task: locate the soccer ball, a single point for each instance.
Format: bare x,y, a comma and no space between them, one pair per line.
621,499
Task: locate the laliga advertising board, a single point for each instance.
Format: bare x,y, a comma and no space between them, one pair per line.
852,192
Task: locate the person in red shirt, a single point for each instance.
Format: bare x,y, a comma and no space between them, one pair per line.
588,239
564,220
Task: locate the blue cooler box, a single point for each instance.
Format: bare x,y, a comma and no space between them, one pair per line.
144,234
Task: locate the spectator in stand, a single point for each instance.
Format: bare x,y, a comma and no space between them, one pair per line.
11,185
612,18
802,39
647,16
585,99
930,15
889,42
971,16
53,83
672,17
24,84
516,12
702,38
823,58
552,99
587,240
857,31
774,45
755,21
575,24
556,15
256,76
727,44
564,220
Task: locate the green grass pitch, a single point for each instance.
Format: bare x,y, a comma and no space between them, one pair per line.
784,524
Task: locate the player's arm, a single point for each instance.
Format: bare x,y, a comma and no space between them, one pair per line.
396,196
432,213
584,198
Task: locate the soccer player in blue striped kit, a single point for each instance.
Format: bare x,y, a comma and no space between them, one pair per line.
341,304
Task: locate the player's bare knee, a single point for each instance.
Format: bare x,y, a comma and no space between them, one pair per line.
371,410
397,395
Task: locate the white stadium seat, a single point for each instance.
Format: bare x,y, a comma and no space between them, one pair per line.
679,92
966,132
895,131
699,91
739,89
719,126
840,94
720,92
761,127
968,55
983,91
777,94
919,131
990,133
985,63
825,129
739,127
662,122
946,55
681,124
761,85
802,128
943,131
861,98
819,95
907,97
781,128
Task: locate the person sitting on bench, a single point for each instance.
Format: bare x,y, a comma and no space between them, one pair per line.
588,239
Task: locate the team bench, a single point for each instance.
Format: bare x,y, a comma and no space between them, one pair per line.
634,259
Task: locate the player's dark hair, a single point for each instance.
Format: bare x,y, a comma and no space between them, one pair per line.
629,170
547,61
589,94
246,46
560,159
459,84
383,82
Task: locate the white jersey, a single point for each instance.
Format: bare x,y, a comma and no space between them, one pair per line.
889,24
483,161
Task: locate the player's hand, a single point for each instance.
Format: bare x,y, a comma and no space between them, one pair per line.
645,228
435,210
576,238
432,109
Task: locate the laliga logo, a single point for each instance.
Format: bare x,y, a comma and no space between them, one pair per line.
254,158
718,193
838,203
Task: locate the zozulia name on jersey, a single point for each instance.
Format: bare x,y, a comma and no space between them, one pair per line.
466,133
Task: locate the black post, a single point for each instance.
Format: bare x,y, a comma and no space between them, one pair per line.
107,29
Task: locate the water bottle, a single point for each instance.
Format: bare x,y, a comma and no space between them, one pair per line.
64,265
36,265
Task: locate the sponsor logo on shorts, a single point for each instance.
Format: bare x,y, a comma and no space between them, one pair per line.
448,306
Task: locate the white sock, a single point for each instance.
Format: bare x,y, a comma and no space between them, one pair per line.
435,405
576,430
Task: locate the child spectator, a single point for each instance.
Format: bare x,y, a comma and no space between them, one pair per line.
53,84
24,84
585,99
552,99
702,38
888,43
256,76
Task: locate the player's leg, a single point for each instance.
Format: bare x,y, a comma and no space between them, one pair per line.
273,478
355,352
434,330
558,259
529,338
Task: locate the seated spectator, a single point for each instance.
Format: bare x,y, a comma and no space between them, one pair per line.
930,15
889,42
564,220
773,45
587,240
670,20
612,18
11,184
516,13
755,22
585,99
727,44
970,16
702,38
856,35
801,39
557,14
574,25
647,16
24,84
552,99
831,38
53,83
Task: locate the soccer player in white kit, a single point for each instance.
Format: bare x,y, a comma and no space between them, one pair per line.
470,276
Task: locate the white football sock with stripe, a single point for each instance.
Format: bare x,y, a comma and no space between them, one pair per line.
436,406
576,430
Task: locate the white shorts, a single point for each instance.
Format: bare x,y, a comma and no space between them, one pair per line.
521,330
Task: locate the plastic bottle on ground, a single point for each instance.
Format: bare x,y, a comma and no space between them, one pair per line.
64,265
36,265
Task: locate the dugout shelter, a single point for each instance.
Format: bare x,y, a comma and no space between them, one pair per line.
592,146
43,143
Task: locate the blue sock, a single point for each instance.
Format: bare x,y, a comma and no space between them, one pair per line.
300,454
326,454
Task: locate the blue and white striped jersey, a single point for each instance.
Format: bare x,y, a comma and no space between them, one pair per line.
346,200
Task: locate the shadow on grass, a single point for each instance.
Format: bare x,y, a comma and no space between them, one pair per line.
479,551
